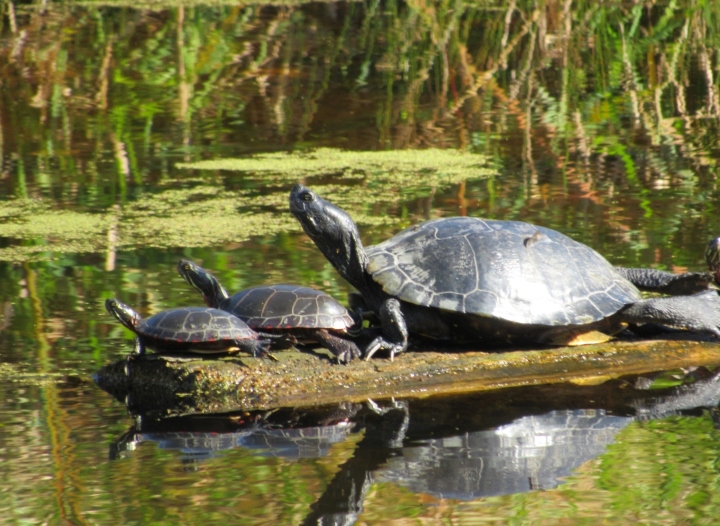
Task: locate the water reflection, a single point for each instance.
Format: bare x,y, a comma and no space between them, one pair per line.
284,433
464,448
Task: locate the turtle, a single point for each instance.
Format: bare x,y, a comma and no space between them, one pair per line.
295,313
188,329
651,280
489,283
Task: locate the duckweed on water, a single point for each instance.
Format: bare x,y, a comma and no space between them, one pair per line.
209,215
202,216
382,177
431,167
19,373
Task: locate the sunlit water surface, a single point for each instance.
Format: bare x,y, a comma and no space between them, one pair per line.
99,105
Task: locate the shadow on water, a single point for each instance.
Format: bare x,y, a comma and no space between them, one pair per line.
480,445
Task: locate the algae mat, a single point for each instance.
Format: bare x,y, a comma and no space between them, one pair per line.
171,384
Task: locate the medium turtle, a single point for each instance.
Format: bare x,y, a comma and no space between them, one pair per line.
188,329
297,314
664,282
489,283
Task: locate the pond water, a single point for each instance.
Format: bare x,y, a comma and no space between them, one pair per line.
597,120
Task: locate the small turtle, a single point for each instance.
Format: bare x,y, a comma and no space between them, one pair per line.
188,329
489,283
297,314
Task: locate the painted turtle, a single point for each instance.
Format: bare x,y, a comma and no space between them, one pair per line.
298,314
188,329
489,283
652,280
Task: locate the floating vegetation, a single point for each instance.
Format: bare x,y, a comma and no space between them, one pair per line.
202,216
430,167
386,177
21,373
209,215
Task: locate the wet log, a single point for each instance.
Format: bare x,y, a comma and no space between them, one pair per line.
174,384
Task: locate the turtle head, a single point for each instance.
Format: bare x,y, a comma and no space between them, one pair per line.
712,256
333,231
124,314
213,293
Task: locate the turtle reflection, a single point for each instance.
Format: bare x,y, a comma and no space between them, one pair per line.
485,444
284,432
533,452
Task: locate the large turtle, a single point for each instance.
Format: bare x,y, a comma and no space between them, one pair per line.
295,313
489,283
188,329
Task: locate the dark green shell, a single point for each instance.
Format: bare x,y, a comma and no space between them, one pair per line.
507,270
269,307
202,326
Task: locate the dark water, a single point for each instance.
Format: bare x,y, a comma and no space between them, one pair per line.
600,122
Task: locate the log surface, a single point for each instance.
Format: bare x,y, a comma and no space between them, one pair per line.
173,384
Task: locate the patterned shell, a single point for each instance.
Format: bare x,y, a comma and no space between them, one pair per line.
195,324
508,270
288,307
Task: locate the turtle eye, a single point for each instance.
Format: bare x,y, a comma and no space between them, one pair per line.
307,196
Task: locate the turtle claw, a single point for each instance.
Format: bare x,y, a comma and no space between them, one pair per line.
345,357
379,344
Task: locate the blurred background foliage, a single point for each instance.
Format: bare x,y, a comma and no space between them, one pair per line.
84,84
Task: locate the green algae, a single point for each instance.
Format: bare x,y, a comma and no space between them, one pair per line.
362,179
202,216
378,169
207,214
20,373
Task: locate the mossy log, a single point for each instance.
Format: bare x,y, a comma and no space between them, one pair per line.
172,384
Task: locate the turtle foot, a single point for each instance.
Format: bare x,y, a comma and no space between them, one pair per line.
699,312
379,344
347,356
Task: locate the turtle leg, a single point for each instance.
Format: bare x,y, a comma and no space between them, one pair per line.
395,333
344,350
278,341
138,350
699,312
360,310
652,280
258,348
139,347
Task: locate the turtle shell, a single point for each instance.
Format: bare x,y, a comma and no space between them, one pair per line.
508,270
268,307
202,328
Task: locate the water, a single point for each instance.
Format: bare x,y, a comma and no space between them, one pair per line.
609,136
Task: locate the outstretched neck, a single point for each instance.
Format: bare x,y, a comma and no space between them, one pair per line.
351,259
215,294
334,233
343,248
